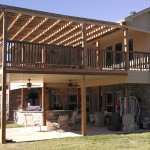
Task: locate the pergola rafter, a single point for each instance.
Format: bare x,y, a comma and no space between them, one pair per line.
64,34
42,27
57,31
35,28
46,30
74,35
97,35
20,30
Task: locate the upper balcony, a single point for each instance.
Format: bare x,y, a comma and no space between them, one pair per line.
26,57
41,42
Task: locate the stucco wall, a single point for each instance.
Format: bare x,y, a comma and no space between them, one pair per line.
140,40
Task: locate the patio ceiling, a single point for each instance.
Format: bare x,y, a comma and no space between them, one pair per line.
48,28
62,80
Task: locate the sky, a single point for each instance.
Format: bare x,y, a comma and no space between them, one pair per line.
107,10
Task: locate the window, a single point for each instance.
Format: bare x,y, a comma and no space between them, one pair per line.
118,57
109,102
130,49
109,56
72,102
57,102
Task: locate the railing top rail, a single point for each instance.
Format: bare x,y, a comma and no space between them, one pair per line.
115,51
42,44
139,52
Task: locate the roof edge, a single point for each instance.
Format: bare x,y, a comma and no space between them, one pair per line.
57,16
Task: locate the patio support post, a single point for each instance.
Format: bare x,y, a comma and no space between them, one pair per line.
126,48
3,97
43,103
83,106
98,98
127,96
22,98
84,45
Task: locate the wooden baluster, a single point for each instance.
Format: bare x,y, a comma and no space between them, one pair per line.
8,52
149,61
17,52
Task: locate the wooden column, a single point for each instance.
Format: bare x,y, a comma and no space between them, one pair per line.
84,45
3,98
77,99
127,96
43,103
126,47
83,104
98,98
22,98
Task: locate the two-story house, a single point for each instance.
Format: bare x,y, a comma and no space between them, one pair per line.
71,63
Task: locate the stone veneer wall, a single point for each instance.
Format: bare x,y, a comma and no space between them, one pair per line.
142,93
19,117
113,89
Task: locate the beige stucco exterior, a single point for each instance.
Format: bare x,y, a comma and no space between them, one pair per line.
140,40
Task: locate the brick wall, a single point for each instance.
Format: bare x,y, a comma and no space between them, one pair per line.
15,98
14,102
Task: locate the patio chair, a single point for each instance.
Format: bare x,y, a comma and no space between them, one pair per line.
62,122
72,121
29,121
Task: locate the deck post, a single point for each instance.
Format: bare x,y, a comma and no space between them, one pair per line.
3,98
126,48
84,45
43,103
83,106
22,98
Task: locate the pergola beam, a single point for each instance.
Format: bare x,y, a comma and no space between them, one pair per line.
58,16
3,97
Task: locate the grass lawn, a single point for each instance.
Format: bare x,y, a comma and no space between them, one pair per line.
100,142
10,124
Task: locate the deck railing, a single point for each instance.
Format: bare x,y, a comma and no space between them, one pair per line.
33,55
139,60
103,59
21,54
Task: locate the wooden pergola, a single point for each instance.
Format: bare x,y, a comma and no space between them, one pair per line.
24,25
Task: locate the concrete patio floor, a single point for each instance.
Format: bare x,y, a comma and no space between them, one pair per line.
34,134
28,134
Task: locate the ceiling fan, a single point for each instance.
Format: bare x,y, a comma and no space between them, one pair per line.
70,84
29,85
